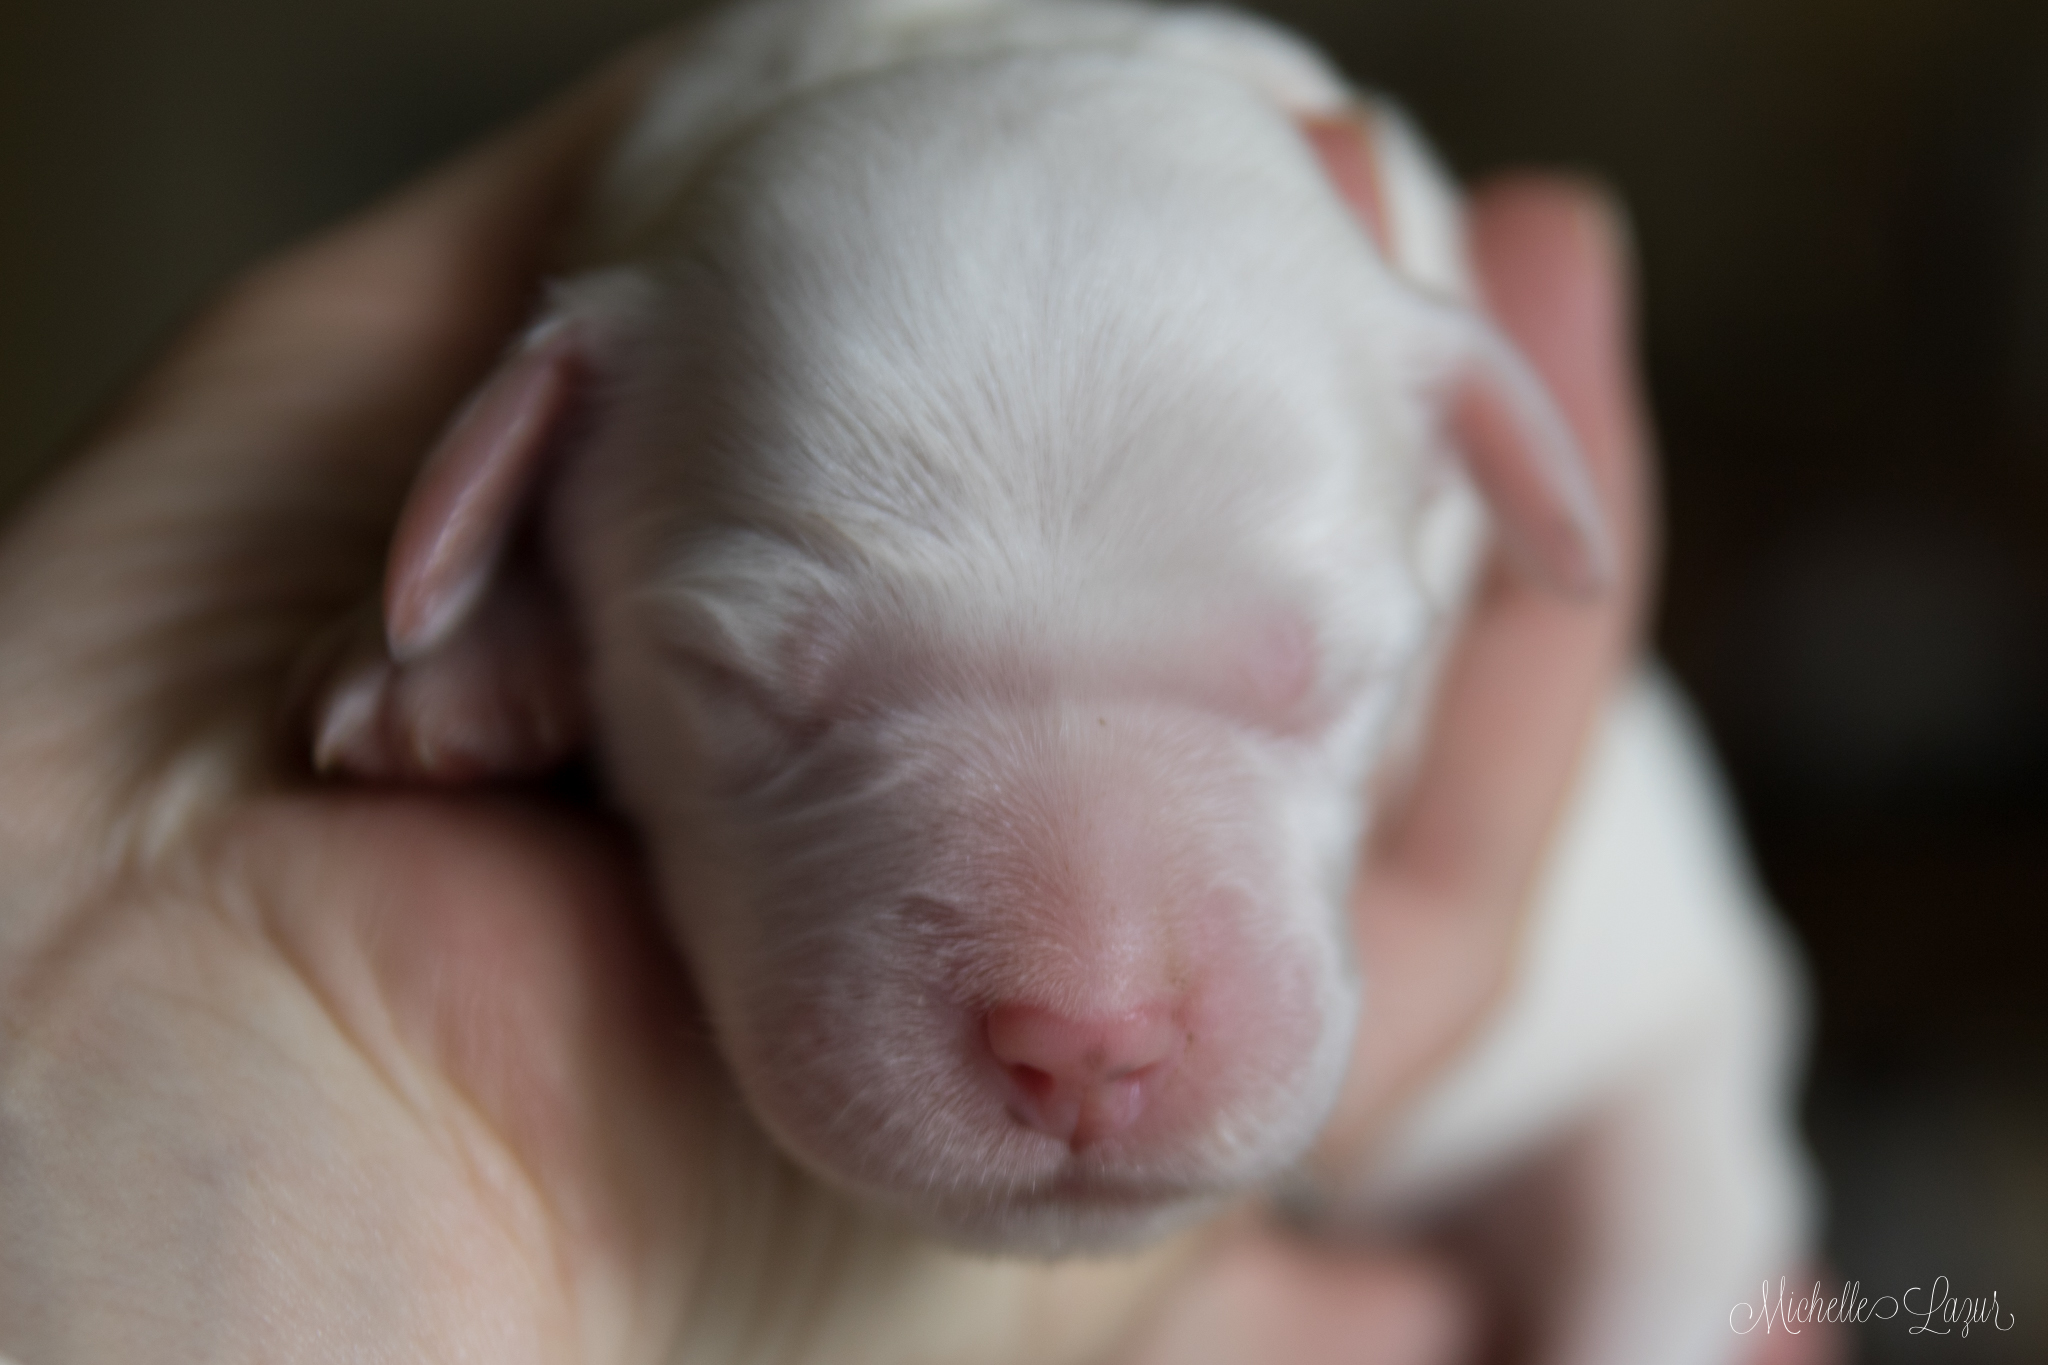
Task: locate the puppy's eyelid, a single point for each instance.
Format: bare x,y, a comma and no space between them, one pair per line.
722,683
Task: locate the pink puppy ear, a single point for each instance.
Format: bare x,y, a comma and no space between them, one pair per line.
1343,143
1528,464
1516,446
473,489
471,672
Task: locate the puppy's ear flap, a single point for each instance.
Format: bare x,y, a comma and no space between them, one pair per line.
1523,456
1516,446
474,489
1349,153
469,670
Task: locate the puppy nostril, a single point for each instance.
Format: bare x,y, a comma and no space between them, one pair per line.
1081,1079
1034,1082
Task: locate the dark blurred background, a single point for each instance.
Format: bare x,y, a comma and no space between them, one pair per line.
1842,213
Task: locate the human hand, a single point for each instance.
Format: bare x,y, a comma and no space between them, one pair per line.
287,1072
298,1071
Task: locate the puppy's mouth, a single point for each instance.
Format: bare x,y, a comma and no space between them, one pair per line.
1096,1189
1073,1211
1111,1182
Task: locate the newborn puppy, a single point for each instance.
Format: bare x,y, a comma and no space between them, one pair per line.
998,481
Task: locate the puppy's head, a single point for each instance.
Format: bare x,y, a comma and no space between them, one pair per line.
995,525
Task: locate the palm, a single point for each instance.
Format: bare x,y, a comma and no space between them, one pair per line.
372,1071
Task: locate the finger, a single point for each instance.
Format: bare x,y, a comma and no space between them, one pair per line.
1531,668
1265,1298
1443,888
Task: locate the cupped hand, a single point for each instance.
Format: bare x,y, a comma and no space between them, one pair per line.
303,1071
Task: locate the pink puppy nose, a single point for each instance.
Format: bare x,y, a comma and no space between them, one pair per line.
1082,1079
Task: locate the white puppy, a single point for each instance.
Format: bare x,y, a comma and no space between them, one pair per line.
1007,473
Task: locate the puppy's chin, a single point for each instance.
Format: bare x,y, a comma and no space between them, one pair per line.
1062,1219
1070,1210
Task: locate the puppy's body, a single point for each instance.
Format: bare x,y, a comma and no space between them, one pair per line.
1011,529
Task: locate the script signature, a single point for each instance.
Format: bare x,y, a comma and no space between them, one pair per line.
1929,1310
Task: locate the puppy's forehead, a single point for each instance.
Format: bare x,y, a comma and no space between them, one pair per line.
990,169
1042,292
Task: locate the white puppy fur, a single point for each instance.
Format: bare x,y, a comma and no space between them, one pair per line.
1006,500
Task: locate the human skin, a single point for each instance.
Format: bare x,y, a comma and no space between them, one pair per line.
305,1071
